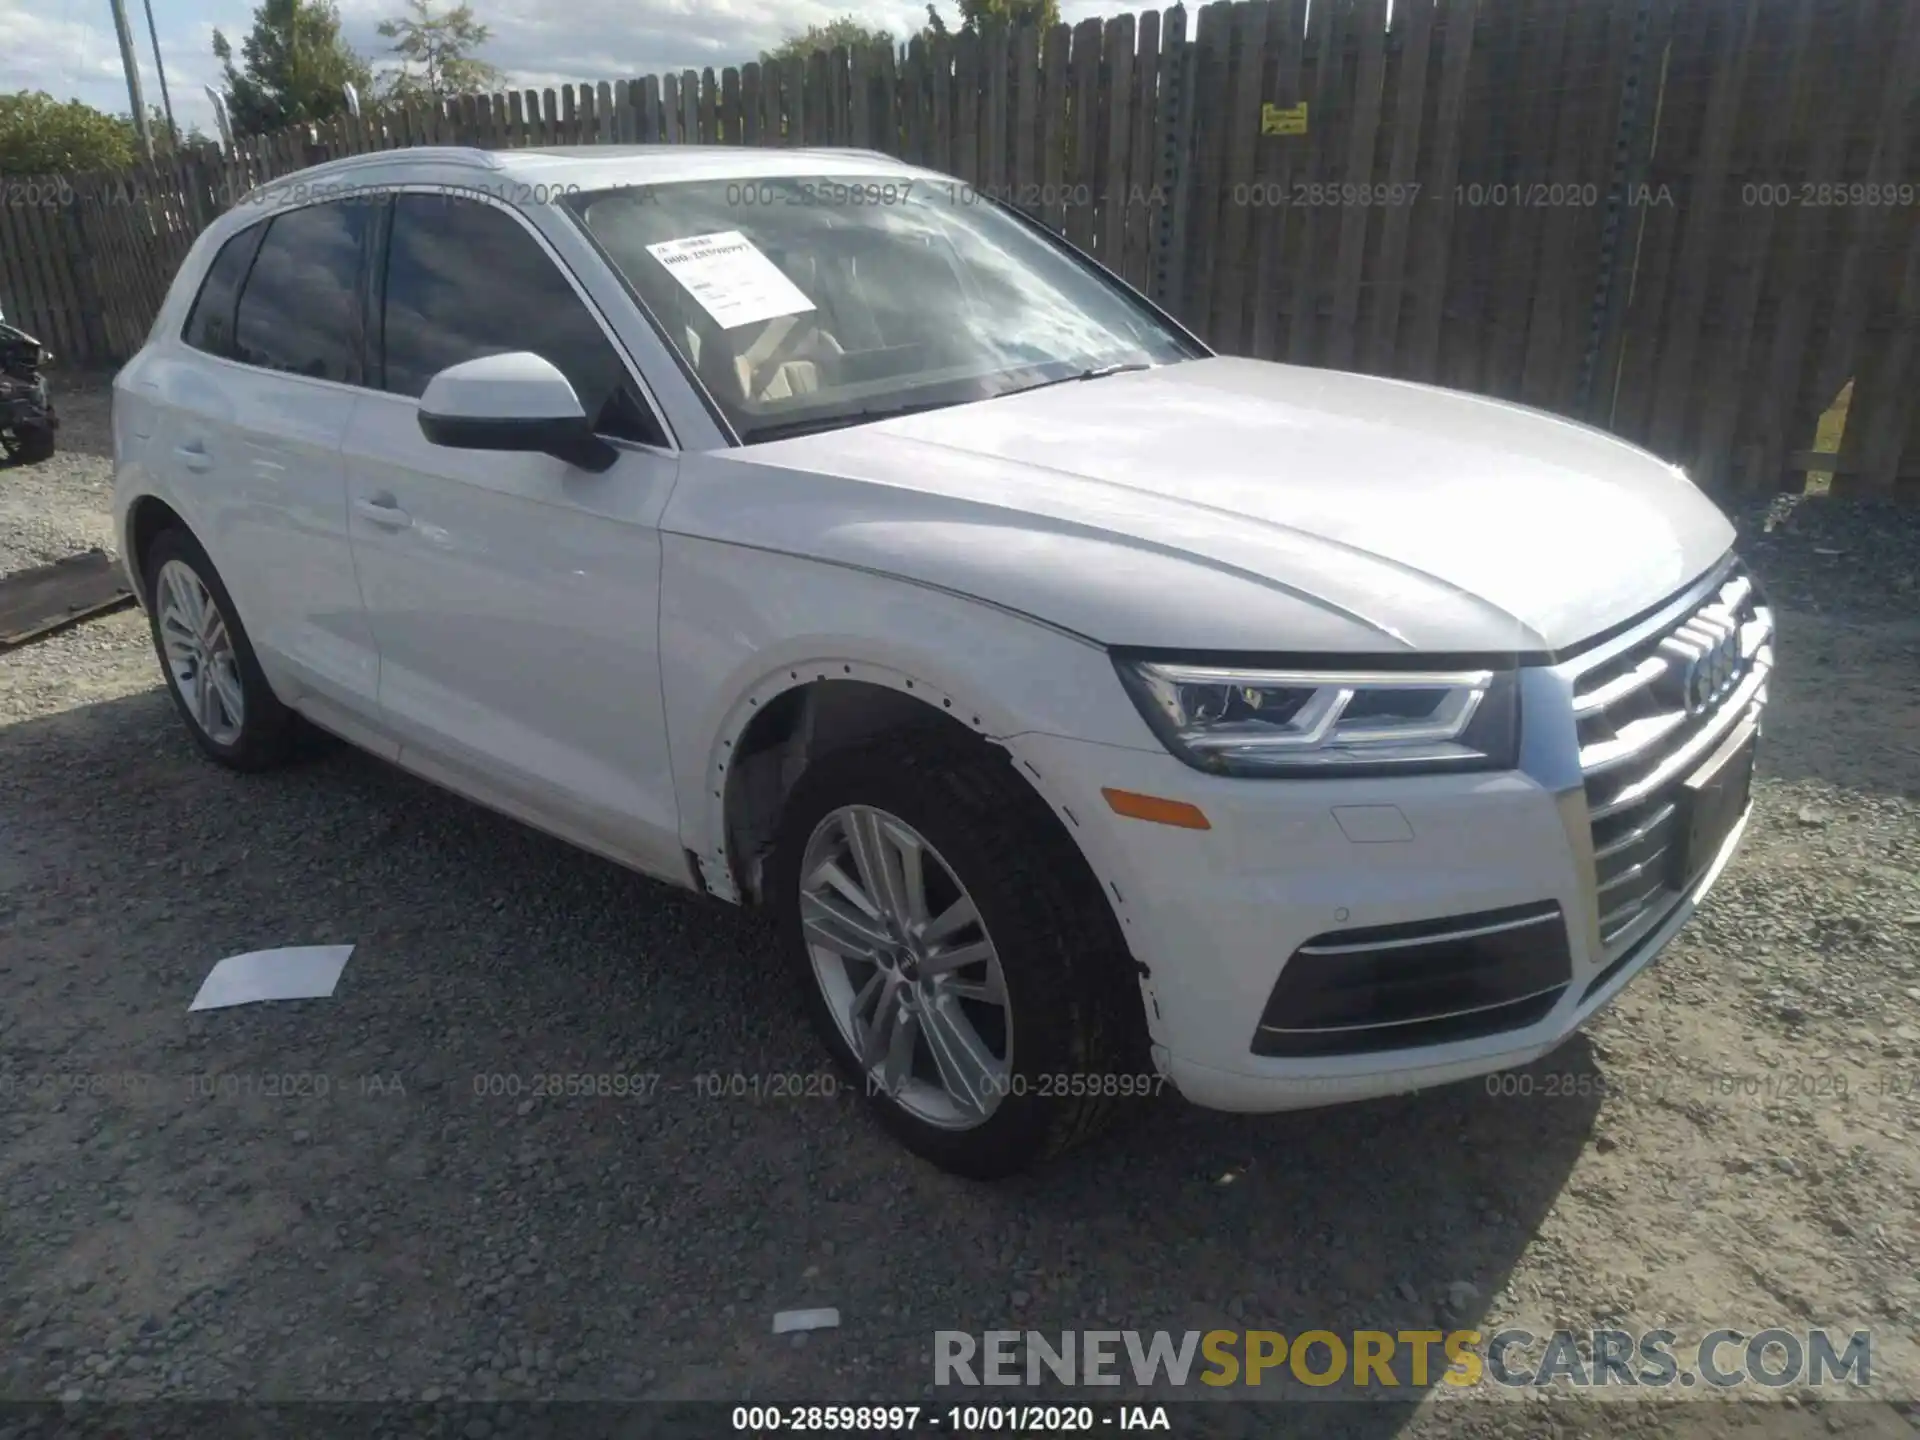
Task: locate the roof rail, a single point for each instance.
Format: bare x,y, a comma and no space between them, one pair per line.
461,155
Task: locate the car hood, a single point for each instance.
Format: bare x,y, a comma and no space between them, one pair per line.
1236,504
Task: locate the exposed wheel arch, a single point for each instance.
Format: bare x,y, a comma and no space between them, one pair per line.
779,736
147,518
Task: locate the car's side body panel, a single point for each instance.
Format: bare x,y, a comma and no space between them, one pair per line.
513,601
251,460
740,625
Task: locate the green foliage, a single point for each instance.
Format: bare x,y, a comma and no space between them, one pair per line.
436,53
979,15
295,65
41,136
846,30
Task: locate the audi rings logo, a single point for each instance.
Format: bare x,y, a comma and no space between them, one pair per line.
1710,672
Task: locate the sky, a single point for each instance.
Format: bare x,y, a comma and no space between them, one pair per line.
67,47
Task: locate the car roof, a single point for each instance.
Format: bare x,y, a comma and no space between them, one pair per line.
590,167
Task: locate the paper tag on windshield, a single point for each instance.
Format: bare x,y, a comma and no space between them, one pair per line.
731,279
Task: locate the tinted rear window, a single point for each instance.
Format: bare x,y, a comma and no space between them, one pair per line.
300,310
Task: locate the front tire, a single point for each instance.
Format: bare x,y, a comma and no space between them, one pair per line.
208,661
958,957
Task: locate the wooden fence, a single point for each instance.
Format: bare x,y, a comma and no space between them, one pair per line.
1688,221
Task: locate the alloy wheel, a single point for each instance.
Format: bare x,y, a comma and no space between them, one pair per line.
906,966
199,652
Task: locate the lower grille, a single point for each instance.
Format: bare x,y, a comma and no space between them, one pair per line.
1390,987
1648,713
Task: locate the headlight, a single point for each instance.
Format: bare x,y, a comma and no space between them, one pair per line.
1306,722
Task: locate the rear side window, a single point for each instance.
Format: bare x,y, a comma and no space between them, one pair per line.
465,279
300,309
210,322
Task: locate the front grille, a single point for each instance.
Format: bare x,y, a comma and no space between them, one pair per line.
1648,713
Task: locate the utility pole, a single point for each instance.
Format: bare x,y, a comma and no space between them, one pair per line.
140,123
160,69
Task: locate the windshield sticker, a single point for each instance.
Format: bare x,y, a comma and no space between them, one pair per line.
731,279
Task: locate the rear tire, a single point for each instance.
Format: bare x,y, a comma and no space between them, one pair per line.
1049,1064
208,661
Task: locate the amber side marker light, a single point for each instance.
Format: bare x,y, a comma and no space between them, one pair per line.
1151,807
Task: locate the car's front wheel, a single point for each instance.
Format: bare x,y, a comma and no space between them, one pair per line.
957,955
209,664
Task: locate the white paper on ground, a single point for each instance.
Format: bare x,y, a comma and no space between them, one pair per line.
823,1319
733,281
294,972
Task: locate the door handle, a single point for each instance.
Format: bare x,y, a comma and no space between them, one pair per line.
194,456
381,511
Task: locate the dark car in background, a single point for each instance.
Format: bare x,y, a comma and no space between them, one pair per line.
27,418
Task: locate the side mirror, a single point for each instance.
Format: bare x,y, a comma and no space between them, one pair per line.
516,401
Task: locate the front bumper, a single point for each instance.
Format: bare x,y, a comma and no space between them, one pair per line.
1214,918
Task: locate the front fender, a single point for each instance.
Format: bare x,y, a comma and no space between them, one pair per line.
740,626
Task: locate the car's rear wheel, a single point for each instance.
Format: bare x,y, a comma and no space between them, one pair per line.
957,955
209,664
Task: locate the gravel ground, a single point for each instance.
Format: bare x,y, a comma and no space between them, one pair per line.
358,1199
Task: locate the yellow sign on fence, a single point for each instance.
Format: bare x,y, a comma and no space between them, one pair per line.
1283,119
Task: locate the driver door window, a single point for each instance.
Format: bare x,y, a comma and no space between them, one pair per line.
465,279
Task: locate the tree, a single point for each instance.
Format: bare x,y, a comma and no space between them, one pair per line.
436,53
41,136
846,30
165,141
979,15
295,67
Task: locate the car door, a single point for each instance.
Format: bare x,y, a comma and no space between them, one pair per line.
251,412
513,597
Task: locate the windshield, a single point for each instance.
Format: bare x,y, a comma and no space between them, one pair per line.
808,303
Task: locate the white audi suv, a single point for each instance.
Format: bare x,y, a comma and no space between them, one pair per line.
1095,715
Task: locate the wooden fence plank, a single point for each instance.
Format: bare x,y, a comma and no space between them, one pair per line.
1273,179
1025,179
1867,226
1055,55
750,103
1141,213
1370,19
1885,383
1409,107
1083,131
1523,142
859,98
732,127
817,128
1120,47
1245,72
1701,246
966,107
888,135
1325,45
996,55
690,130
670,109
1212,38
1563,275
1669,103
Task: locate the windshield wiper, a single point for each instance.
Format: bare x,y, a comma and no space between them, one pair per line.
813,424
1098,372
